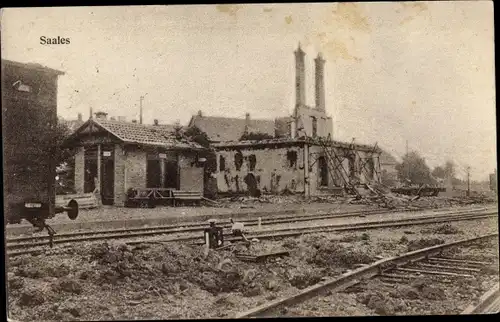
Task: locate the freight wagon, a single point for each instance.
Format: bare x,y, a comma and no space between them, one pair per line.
29,120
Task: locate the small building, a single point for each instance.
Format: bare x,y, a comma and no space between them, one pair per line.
115,156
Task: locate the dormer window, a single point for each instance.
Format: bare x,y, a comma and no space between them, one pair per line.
21,87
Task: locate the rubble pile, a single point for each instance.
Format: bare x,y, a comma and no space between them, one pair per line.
115,281
296,199
422,296
382,196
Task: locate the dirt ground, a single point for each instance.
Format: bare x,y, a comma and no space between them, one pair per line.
160,281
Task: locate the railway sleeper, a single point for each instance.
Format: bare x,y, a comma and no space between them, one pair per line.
429,272
413,277
449,268
459,261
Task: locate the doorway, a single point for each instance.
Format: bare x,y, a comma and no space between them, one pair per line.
323,172
107,176
171,174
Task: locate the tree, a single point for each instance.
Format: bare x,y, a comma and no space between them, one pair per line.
64,158
439,172
198,136
414,169
388,179
255,136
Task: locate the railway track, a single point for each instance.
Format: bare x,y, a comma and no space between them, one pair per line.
489,303
428,262
29,245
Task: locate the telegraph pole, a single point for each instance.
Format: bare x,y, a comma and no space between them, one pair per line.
407,160
140,107
468,181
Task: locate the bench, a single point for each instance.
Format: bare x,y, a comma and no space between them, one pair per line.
182,196
148,197
85,201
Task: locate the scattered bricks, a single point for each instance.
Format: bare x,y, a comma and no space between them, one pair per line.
407,292
249,276
433,293
252,291
380,305
272,285
15,283
169,268
31,272
20,261
73,310
69,286
447,229
58,271
31,296
423,243
225,300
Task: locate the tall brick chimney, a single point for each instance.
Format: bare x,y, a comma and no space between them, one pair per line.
300,78
320,82
80,117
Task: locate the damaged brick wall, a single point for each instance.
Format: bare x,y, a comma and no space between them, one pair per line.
351,170
191,173
306,116
269,170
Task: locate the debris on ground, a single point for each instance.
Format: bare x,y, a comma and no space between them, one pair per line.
445,229
115,281
423,243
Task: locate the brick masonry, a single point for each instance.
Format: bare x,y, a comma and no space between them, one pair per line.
191,175
135,168
79,170
119,185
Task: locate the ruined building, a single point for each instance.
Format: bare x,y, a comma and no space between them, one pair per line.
301,158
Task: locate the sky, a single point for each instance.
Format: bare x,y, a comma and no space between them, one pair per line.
421,72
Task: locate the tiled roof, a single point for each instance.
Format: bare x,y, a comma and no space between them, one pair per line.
158,135
221,129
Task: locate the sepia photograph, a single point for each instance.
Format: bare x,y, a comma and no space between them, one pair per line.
233,161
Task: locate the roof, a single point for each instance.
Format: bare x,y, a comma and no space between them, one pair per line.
32,66
221,129
156,135
289,141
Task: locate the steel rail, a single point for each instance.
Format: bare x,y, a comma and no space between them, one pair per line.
353,277
488,303
160,230
32,241
287,232
199,226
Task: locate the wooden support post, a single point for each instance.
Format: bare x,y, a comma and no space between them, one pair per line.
99,179
162,173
